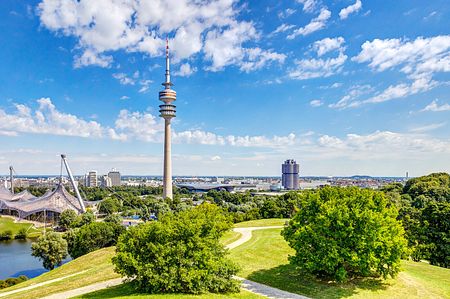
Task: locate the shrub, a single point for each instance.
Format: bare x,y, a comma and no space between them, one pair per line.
180,253
68,219
51,248
6,235
22,234
346,232
12,281
93,236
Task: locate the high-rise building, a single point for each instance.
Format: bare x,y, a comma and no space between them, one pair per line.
115,177
167,111
91,179
289,177
106,181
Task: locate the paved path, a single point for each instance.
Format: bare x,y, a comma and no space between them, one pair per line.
33,286
254,287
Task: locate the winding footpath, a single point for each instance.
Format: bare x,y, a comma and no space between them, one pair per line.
251,286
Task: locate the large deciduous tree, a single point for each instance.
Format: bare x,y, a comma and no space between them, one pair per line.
51,248
180,253
346,232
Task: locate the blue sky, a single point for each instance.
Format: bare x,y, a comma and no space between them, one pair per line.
344,87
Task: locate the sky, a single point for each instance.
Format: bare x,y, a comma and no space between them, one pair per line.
345,87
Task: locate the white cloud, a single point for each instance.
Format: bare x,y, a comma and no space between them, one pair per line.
434,106
286,13
345,12
211,28
124,97
145,85
47,120
308,5
282,28
216,158
316,24
316,103
185,70
352,95
328,44
422,56
315,68
124,79
428,128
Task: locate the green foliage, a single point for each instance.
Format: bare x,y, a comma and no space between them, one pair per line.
425,213
109,206
9,282
6,235
86,218
22,234
114,218
51,248
180,253
68,219
345,233
92,236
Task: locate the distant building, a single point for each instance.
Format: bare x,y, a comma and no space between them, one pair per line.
289,177
106,181
115,177
91,179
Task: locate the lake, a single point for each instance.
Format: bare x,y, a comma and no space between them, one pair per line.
16,259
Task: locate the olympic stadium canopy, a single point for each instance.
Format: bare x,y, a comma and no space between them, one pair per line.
25,204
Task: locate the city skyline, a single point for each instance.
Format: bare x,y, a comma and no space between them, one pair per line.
320,82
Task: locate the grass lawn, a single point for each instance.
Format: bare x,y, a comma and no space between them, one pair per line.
125,291
262,222
7,223
96,265
230,237
264,259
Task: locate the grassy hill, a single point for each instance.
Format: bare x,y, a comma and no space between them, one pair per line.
263,259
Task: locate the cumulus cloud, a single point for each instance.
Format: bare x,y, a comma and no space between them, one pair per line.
308,5
316,24
328,44
185,70
345,12
103,27
435,107
316,68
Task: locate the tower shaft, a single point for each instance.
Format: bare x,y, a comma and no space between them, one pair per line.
167,177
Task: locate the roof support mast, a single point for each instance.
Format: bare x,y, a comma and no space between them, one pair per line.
77,193
11,178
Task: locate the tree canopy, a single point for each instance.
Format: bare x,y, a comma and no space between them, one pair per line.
179,253
346,232
51,248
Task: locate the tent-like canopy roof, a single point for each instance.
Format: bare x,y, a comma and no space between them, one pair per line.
26,204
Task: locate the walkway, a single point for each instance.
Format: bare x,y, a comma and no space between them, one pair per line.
251,286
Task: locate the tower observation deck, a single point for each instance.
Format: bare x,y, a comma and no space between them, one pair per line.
167,111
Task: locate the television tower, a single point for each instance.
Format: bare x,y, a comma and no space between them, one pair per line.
167,111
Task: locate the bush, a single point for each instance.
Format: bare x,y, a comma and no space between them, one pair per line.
180,253
93,236
22,234
68,219
6,235
346,232
109,206
51,248
9,282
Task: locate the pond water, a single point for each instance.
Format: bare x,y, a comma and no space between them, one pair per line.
16,259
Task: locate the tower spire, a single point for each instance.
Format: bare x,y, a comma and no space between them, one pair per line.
167,83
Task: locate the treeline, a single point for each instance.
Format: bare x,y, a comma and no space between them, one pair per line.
424,209
9,282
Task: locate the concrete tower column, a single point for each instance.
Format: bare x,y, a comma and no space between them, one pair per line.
167,177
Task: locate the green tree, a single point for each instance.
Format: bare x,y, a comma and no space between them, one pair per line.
109,206
86,218
68,219
180,253
93,236
346,232
51,248
22,234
